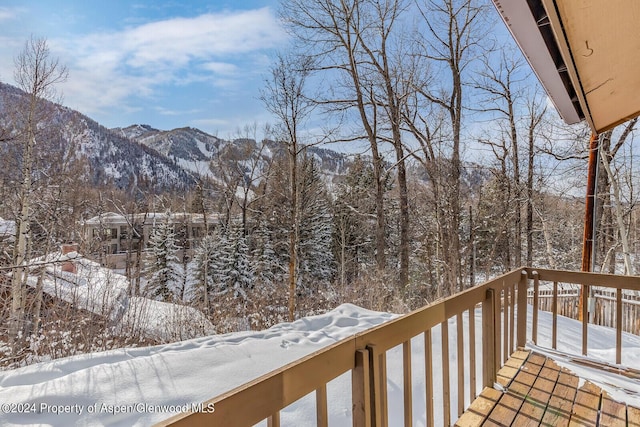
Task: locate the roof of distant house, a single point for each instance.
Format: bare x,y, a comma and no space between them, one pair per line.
148,218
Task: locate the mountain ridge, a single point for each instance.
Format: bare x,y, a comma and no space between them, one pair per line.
141,156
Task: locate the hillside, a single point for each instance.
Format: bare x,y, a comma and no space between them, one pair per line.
141,156
110,158
194,150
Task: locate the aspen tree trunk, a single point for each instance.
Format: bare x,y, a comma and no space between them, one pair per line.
284,97
20,272
295,228
35,74
516,181
622,229
530,166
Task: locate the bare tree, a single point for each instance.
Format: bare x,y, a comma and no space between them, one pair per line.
284,97
449,45
500,82
253,167
536,113
36,74
612,189
348,40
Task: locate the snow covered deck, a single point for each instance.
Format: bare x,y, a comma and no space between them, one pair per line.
427,367
532,389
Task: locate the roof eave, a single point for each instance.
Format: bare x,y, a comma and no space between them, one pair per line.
537,42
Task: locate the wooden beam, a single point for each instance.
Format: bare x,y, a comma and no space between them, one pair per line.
594,279
589,209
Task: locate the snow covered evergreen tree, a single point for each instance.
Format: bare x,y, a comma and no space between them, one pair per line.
237,273
162,267
223,266
263,258
317,262
354,222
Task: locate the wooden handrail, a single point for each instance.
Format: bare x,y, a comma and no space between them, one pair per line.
593,279
504,327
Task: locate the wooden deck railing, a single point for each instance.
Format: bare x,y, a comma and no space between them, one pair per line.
504,328
601,286
602,305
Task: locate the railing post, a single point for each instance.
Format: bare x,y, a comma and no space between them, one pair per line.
274,420
322,415
378,386
554,309
428,376
584,300
446,387
618,326
406,383
488,339
536,306
361,390
522,310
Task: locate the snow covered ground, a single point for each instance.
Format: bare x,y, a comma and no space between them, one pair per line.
125,387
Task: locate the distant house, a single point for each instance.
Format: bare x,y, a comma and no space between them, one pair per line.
7,238
115,238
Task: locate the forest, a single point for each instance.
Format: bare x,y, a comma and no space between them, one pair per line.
467,172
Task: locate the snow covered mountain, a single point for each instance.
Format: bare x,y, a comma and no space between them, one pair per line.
139,156
189,148
193,150
111,158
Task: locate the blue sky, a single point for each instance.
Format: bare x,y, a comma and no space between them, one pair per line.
164,63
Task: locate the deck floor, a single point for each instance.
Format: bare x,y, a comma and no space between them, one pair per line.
537,392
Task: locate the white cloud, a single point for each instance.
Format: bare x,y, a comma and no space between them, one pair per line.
107,68
178,41
220,67
7,13
168,112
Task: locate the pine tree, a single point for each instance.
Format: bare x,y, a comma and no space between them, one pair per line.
317,263
162,269
354,222
263,258
237,273
223,265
